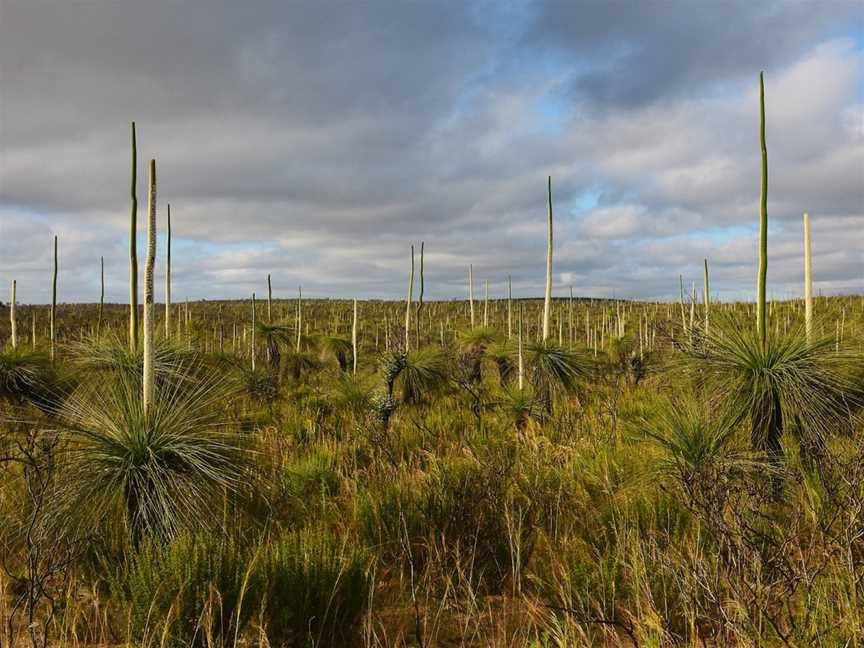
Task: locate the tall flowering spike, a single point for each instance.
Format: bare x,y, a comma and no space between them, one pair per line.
408,303
54,302
149,320
509,307
101,294
133,251
252,343
299,316
808,280
168,278
707,295
547,301
486,303
269,300
12,321
354,337
420,298
471,292
761,325
521,360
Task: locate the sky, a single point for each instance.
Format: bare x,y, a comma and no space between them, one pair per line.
316,141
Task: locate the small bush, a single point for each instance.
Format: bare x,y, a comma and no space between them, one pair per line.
315,588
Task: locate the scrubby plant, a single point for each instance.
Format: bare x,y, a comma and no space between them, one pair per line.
315,587
198,589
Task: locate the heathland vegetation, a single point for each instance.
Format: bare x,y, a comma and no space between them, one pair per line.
489,472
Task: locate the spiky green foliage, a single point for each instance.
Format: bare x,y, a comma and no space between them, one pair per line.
698,449
422,372
472,345
29,376
273,335
518,405
110,355
788,383
337,348
155,474
555,371
316,589
352,394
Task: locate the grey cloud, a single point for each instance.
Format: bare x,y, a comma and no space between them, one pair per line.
317,141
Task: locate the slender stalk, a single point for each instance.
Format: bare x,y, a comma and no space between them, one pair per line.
420,300
408,303
354,336
763,222
269,300
471,292
547,301
54,301
253,332
808,281
509,307
149,321
486,304
521,370
12,321
299,316
101,295
707,295
168,278
133,251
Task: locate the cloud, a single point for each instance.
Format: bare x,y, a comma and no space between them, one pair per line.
317,143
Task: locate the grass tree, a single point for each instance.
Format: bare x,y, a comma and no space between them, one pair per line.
547,299
149,382
133,250
782,382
